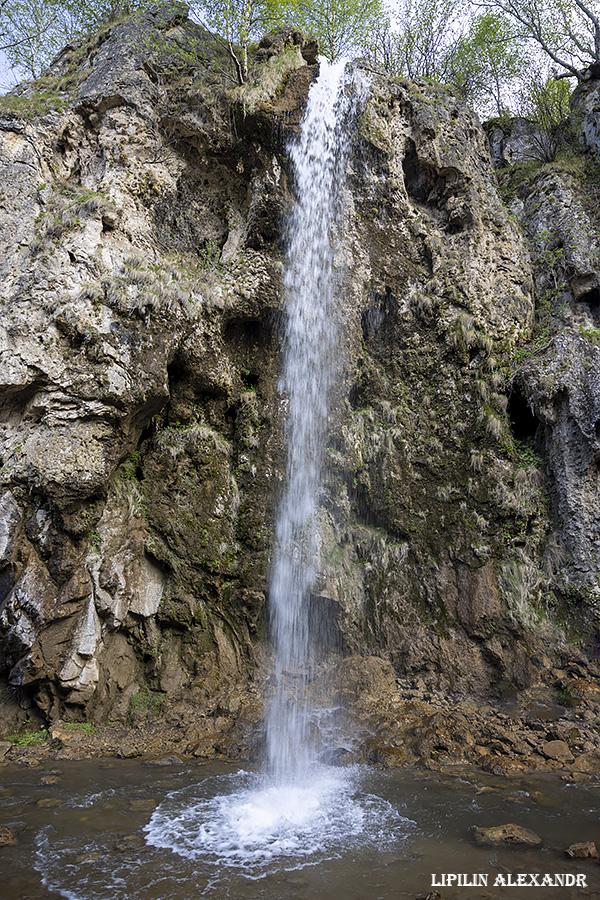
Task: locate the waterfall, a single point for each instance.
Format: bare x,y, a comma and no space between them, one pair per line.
297,812
312,355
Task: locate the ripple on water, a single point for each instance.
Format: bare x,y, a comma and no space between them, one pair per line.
255,826
213,837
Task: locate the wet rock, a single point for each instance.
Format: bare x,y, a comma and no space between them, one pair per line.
152,388
505,834
587,763
48,803
6,836
50,779
582,850
541,799
130,843
170,760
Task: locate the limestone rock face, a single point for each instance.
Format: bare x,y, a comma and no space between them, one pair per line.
142,220
585,103
557,377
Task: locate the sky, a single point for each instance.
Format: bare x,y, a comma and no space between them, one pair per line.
8,77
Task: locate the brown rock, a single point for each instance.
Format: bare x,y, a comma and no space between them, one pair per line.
582,850
588,763
541,799
558,750
48,803
505,834
6,836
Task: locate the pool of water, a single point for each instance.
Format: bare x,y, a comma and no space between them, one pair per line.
122,830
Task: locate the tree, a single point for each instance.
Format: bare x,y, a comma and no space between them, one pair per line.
486,63
568,31
479,55
417,41
33,31
238,22
341,26
544,101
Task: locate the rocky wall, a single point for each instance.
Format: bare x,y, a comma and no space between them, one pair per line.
142,213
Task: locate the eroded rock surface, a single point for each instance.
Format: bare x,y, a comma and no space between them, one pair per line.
142,214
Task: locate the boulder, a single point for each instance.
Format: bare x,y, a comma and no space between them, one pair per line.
497,835
582,850
558,750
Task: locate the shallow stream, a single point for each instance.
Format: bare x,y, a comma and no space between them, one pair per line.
125,830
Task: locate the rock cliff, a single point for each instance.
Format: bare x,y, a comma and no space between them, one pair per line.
142,208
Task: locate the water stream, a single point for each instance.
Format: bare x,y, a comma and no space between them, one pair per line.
312,287
85,837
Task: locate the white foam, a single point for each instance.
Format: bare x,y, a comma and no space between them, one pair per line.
257,827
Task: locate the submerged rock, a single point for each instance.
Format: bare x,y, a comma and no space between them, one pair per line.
6,836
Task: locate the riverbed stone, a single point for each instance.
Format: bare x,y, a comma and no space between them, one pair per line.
582,850
6,836
505,834
557,750
48,803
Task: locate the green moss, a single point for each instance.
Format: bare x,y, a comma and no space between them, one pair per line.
37,104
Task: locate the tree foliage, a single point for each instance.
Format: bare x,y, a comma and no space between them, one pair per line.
341,26
33,31
239,22
545,103
568,31
415,42
480,56
486,63
481,49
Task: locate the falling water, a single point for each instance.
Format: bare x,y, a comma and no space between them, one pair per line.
297,812
313,338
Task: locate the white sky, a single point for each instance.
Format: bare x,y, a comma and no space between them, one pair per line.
8,77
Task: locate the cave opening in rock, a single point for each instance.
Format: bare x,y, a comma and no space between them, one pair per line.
416,177
591,300
523,422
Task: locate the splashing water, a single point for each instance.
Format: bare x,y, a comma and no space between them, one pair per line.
313,338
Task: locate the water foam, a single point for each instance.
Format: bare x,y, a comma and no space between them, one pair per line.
260,827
